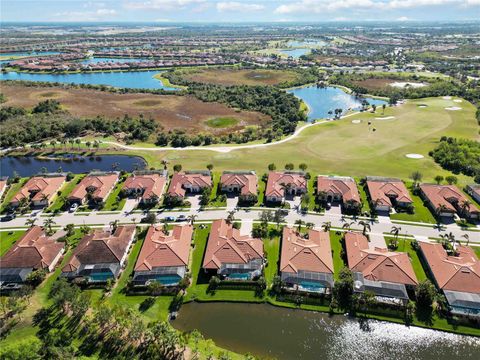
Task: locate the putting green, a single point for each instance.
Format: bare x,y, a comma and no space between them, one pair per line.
221,122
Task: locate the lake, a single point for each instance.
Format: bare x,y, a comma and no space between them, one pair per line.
33,53
28,166
306,43
96,60
121,79
296,53
323,100
269,331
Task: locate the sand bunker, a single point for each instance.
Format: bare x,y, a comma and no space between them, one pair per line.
414,156
356,121
385,118
453,108
447,98
402,85
422,106
457,100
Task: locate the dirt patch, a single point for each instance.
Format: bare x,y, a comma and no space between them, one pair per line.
378,84
171,111
241,77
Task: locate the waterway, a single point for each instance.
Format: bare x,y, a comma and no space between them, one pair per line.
33,53
96,60
120,79
28,166
273,332
322,100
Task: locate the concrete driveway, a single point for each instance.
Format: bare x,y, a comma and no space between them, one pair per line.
232,202
335,209
377,241
130,204
247,226
195,201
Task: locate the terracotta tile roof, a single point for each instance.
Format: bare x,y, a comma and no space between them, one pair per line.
226,245
445,195
153,184
101,247
41,185
456,273
381,190
378,264
3,186
247,181
200,179
160,249
343,186
313,254
33,250
101,184
276,179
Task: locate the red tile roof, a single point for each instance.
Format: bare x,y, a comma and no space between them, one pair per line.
102,185
276,179
200,179
247,181
3,186
160,249
445,195
342,186
153,184
41,186
378,264
33,250
382,190
456,273
226,245
313,254
101,247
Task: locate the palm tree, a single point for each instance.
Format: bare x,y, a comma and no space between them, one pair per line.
395,231
48,224
383,109
286,188
416,176
78,142
30,222
113,225
366,226
299,223
53,143
327,226
466,237
441,208
309,225
465,206
230,217
165,164
165,226
348,225
192,218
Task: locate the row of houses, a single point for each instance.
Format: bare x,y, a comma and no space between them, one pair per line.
305,265
385,193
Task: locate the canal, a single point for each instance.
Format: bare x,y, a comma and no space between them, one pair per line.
274,332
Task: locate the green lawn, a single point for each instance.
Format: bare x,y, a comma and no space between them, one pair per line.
272,249
363,197
13,189
221,122
405,246
336,244
67,188
215,196
422,212
7,239
113,203
261,190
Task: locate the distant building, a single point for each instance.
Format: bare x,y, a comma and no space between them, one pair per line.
242,183
33,251
189,182
283,184
40,190
458,276
164,257
387,193
100,256
338,189
231,255
148,186
306,263
386,273
446,200
94,188
474,191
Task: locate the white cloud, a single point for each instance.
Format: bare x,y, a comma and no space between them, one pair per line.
94,15
238,6
106,12
164,5
403,18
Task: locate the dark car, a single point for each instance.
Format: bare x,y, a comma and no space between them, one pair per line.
170,218
8,217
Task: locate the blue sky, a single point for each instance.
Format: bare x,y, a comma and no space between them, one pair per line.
238,11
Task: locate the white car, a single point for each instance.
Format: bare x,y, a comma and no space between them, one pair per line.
73,207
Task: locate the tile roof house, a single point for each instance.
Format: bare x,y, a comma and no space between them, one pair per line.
338,189
281,184
243,183
384,272
474,191
40,190
148,186
100,255
33,251
458,276
386,193
3,185
231,255
306,263
95,187
189,182
164,257
446,200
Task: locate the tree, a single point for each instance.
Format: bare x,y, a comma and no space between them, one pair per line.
69,229
210,167
465,206
48,223
278,217
348,225
343,289
299,223
416,176
383,108
366,227
84,229
466,237
165,225
78,142
303,166
230,217
425,294
272,167
438,179
451,179
177,167
326,226
205,196
289,166
309,225
395,231
165,164
192,218
113,225
155,288
36,277
30,222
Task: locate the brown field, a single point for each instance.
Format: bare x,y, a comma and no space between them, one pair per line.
240,77
171,111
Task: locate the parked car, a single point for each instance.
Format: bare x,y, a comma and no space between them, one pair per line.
328,206
182,218
170,218
73,208
8,217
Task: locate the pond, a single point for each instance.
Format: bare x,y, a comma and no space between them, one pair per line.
269,331
121,79
306,43
322,100
96,60
296,53
28,166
